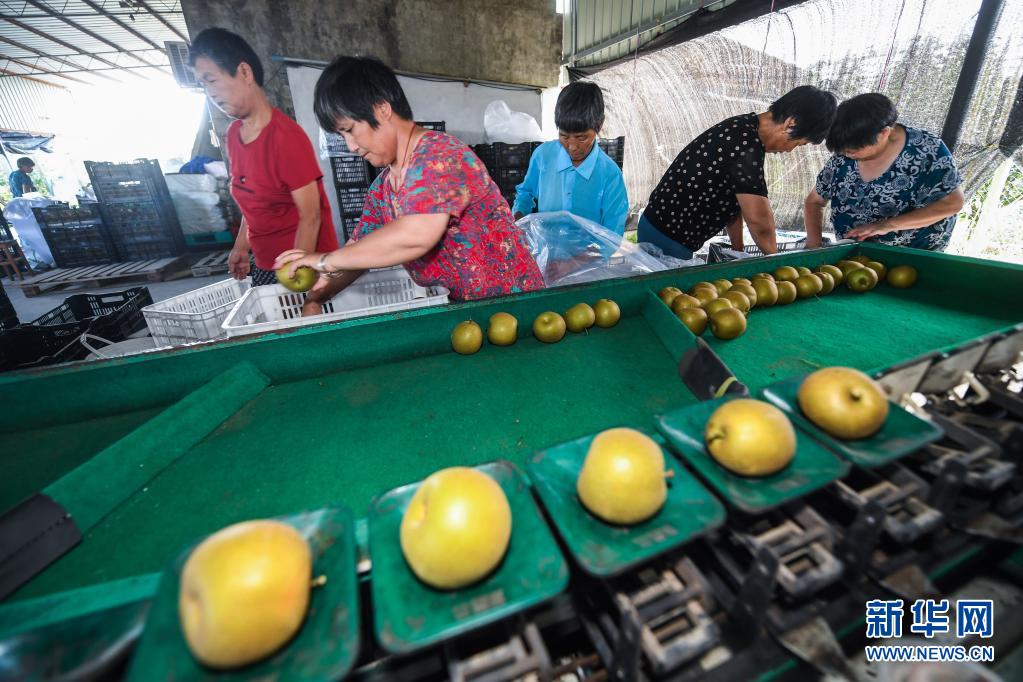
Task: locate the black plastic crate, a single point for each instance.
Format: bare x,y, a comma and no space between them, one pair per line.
5,229
8,315
512,155
348,226
139,180
66,216
350,171
139,231
74,247
615,148
76,236
137,209
352,200
485,152
54,336
508,179
335,144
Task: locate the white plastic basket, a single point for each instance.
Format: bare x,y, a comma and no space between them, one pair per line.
273,308
194,316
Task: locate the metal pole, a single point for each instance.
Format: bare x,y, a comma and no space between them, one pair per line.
987,19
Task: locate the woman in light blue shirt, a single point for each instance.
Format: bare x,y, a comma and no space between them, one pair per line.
573,173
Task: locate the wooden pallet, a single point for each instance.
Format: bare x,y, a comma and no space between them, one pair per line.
94,276
211,264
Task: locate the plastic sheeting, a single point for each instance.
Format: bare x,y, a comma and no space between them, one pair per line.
501,124
19,213
572,250
911,50
197,202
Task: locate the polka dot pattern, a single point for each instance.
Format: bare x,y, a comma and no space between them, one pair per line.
695,198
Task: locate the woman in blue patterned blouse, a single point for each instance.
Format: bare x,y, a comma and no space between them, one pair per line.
887,182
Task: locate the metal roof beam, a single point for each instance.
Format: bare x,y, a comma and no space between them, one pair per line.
144,5
36,67
54,39
98,72
63,60
120,23
88,32
5,73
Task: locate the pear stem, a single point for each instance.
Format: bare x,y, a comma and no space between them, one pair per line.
669,474
318,581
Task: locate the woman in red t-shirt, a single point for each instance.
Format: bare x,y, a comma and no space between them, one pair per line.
275,178
433,209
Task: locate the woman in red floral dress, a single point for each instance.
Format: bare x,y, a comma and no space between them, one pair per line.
434,209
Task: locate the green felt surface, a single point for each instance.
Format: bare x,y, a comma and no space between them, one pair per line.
605,549
901,433
866,331
811,468
34,458
345,437
362,406
95,488
409,614
325,646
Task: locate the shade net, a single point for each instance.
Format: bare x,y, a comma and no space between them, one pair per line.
910,50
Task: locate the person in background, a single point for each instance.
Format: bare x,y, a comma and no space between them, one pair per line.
717,182
433,209
275,177
19,180
887,182
573,173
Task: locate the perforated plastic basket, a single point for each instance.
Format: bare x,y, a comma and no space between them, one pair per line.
193,316
273,308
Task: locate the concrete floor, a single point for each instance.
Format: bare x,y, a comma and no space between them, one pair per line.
30,308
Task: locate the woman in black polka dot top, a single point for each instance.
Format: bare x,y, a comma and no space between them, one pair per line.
718,182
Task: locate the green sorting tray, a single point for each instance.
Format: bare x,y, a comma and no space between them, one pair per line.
324,648
409,614
813,466
604,549
902,433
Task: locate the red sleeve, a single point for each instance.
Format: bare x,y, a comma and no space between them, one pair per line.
438,180
297,164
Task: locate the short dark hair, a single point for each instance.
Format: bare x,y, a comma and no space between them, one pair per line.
812,108
859,121
227,50
580,108
25,161
351,86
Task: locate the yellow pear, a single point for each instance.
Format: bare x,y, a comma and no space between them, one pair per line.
622,479
244,592
456,528
844,402
750,437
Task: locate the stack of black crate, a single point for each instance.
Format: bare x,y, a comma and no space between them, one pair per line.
353,176
137,210
507,163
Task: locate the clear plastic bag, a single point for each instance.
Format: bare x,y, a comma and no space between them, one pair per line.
19,213
571,250
501,124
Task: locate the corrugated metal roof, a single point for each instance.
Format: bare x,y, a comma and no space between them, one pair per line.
598,31
43,38
27,105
